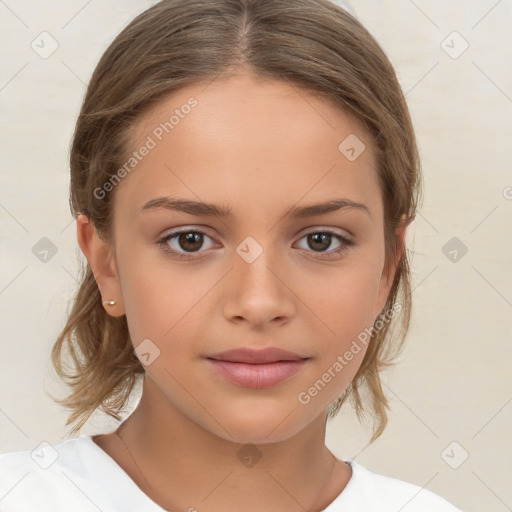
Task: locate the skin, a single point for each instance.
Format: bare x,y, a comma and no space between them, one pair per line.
260,147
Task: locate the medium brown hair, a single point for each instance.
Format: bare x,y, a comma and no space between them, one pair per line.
314,45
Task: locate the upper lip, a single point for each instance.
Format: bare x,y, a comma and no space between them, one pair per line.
256,356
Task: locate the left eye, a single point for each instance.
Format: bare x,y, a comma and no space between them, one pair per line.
323,239
191,241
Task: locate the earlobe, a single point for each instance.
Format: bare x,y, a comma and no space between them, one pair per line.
99,255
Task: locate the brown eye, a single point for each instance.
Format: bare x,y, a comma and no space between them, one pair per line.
320,241
191,241
185,243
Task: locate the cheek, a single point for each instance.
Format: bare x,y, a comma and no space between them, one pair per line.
343,308
160,298
344,300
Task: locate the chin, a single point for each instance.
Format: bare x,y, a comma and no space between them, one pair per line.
260,428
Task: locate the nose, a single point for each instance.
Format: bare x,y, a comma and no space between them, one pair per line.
259,291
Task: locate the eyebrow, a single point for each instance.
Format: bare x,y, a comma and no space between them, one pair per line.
202,208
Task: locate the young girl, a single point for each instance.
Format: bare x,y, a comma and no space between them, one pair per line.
242,176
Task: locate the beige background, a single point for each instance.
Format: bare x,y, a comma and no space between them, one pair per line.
453,383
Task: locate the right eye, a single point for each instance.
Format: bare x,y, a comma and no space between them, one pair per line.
188,240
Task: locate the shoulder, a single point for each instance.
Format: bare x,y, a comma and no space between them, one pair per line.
374,492
46,478
75,474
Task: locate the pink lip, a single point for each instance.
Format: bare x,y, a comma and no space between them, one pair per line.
257,368
256,356
257,376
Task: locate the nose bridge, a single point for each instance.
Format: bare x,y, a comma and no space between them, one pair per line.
254,264
257,292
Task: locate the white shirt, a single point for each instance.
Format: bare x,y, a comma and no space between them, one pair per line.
76,475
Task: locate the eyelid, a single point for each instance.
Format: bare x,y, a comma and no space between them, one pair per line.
171,234
163,242
328,229
204,230
346,242
186,229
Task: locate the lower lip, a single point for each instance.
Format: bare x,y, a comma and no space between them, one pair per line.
257,376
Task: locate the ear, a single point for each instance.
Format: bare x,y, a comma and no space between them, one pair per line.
99,254
390,268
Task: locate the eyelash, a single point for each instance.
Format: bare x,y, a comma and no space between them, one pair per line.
346,243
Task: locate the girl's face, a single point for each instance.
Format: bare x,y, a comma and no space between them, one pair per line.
262,275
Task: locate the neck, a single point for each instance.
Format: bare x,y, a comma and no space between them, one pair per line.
181,465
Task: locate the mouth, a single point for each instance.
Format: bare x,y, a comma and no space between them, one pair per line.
257,369
256,356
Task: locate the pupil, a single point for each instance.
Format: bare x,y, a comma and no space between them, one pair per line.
190,238
320,239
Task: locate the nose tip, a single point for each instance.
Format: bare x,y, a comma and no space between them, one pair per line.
256,291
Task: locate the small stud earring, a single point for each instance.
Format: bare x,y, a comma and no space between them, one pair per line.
109,302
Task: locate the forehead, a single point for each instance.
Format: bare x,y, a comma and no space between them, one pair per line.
245,139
